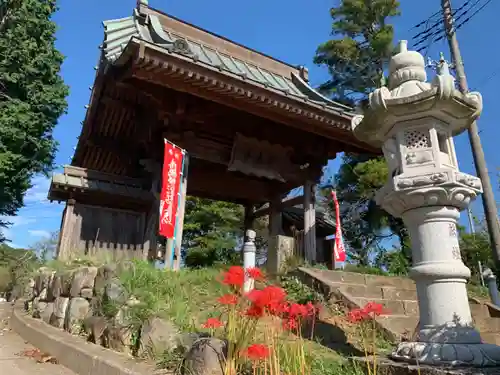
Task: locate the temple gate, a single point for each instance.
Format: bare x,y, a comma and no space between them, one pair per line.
252,125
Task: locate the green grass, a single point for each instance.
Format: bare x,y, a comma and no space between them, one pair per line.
187,297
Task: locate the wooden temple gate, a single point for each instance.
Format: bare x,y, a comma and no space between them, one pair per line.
253,127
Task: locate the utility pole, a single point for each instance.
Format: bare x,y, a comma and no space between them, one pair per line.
472,230
489,204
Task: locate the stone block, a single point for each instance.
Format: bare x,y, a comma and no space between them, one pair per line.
42,279
66,282
94,327
411,308
38,308
60,310
87,293
55,288
205,357
29,290
47,312
342,277
157,336
83,278
389,292
118,338
104,275
280,249
43,295
115,292
366,291
397,282
78,310
392,307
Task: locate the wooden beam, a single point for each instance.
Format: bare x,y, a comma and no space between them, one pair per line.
103,176
228,186
167,78
286,202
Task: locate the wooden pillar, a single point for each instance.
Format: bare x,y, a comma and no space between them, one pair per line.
310,221
149,246
274,259
65,236
180,217
249,218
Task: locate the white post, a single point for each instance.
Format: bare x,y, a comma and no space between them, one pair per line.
414,122
249,251
491,279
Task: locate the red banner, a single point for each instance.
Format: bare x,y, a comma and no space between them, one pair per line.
171,177
339,253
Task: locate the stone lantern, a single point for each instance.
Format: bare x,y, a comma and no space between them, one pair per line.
414,122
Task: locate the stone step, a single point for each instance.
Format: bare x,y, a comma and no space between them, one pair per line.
363,279
487,324
379,292
479,310
393,307
491,338
400,324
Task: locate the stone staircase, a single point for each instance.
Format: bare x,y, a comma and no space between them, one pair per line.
399,297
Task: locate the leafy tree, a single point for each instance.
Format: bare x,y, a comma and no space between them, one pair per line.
15,266
475,248
32,96
211,232
356,60
46,248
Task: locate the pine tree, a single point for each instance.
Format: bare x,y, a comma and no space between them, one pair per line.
32,96
356,60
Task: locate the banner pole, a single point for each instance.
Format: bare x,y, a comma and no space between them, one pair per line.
174,240
182,213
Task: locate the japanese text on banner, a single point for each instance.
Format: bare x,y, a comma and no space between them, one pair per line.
171,175
338,248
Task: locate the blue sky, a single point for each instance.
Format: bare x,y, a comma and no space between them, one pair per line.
286,29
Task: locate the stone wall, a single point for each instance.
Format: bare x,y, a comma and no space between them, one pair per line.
92,302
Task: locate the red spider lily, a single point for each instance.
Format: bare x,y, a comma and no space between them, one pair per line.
374,309
235,277
213,323
290,324
270,298
300,311
257,352
255,273
255,311
228,299
357,315
371,310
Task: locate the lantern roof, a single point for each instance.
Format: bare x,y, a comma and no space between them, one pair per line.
409,96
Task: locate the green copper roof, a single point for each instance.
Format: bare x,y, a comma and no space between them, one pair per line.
118,33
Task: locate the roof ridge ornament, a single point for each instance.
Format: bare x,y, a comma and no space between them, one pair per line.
443,80
409,96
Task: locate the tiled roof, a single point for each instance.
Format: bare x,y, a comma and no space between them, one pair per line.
118,33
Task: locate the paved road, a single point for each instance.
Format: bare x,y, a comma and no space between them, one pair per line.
12,347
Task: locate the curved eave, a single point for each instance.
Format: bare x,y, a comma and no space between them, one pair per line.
148,28
457,110
328,121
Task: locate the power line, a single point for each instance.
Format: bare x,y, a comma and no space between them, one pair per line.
426,33
441,34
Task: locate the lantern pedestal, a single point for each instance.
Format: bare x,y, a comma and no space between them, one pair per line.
414,122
